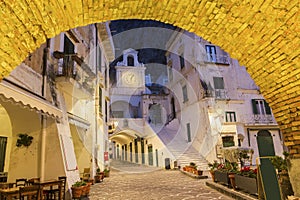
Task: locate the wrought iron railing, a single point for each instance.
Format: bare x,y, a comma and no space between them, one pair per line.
258,119
66,67
221,94
220,59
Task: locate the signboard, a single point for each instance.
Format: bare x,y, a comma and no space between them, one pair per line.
105,156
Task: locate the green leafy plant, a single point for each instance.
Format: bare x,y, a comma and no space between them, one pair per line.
281,164
98,170
79,184
213,166
193,165
248,172
24,139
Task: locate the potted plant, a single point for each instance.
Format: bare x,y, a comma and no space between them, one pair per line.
246,179
212,168
225,173
99,176
77,189
281,166
106,172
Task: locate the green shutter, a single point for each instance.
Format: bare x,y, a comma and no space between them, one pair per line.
267,107
254,106
3,142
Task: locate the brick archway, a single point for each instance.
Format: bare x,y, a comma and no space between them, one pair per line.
262,35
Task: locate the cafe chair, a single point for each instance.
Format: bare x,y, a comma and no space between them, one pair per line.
32,181
21,182
54,193
86,174
31,192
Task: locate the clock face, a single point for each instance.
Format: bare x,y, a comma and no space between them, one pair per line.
130,78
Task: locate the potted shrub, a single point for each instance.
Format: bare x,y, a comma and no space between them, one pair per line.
106,172
225,173
99,176
212,168
77,189
281,166
246,180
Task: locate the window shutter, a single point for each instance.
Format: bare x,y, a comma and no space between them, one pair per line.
218,82
254,106
267,107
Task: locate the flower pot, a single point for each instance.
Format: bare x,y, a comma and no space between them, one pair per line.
76,192
86,189
231,177
212,173
199,172
285,184
246,184
222,177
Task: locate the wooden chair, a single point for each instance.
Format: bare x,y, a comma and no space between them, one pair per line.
29,192
86,174
54,193
21,182
33,180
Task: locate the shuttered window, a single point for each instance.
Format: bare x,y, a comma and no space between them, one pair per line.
260,107
3,142
218,82
185,94
188,129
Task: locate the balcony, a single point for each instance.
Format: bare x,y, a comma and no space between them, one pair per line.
221,94
259,119
68,77
218,59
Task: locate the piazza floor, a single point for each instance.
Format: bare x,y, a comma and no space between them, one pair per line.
144,183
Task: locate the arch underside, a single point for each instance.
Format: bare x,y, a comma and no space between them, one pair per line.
262,35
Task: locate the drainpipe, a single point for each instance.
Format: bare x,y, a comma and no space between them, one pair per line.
44,118
95,144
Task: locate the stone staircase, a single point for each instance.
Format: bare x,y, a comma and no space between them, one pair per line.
182,150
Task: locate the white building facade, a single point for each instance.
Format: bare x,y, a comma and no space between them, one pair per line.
230,110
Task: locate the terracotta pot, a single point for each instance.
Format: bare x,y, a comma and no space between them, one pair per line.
76,192
232,179
212,173
200,172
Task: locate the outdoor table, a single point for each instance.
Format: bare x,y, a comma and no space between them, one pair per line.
51,184
9,193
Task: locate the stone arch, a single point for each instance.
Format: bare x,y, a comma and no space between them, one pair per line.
262,35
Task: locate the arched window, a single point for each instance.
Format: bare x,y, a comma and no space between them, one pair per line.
130,61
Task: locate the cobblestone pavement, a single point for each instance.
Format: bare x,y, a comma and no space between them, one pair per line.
157,184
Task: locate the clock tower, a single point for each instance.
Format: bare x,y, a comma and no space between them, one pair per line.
130,73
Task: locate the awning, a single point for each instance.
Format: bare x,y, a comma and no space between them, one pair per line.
9,92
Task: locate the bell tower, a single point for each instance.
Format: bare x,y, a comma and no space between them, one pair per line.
130,73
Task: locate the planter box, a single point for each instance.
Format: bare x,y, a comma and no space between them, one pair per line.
246,184
222,177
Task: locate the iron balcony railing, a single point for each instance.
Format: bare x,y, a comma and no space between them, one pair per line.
221,94
258,119
215,58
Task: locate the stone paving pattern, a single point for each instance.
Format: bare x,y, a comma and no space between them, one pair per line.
158,184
